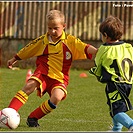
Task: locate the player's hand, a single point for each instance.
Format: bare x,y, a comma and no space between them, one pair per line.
11,62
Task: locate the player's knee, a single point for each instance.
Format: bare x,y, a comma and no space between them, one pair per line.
30,86
55,99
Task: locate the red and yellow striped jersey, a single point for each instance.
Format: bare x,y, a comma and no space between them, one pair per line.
54,59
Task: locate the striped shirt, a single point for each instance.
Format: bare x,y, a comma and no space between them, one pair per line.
54,59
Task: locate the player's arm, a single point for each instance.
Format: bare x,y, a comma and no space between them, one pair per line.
97,69
25,53
34,48
82,48
92,50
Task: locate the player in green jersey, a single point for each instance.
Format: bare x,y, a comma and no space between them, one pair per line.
114,66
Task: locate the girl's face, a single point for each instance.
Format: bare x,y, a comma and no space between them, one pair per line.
55,29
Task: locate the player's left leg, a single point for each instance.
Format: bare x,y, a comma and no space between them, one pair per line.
117,127
46,107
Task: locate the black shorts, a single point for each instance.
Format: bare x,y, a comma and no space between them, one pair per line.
117,97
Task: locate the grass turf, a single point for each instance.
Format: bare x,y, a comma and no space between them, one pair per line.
84,109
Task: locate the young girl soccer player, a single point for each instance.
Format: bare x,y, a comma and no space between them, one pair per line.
55,52
114,66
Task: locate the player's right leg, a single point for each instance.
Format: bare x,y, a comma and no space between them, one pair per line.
21,96
46,107
124,119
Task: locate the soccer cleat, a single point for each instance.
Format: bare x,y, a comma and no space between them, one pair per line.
32,122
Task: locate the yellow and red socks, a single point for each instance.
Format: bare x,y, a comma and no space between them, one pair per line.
19,99
45,108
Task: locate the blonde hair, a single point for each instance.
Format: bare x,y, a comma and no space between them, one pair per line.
55,14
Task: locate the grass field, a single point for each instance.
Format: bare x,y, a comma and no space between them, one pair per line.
84,109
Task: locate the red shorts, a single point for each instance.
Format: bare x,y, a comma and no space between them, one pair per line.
47,84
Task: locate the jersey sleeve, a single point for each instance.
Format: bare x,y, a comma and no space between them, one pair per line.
78,48
34,48
98,61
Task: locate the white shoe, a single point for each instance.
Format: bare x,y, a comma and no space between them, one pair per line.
130,129
110,128
110,131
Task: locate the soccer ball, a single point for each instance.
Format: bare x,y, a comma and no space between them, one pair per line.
9,118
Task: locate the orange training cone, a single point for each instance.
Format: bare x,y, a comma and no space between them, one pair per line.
29,73
83,75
